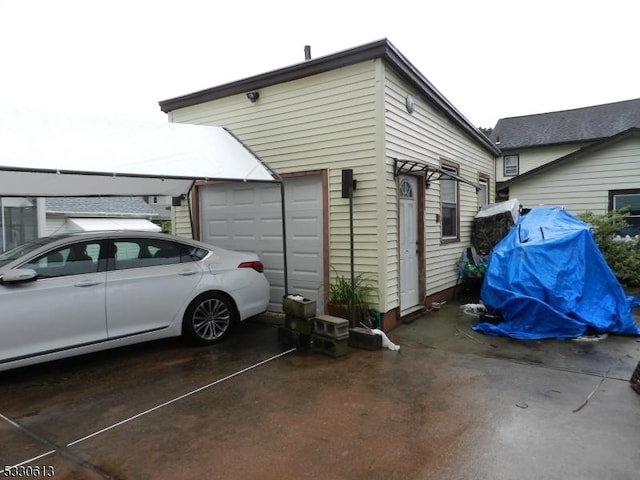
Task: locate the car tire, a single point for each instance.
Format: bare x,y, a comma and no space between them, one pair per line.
209,318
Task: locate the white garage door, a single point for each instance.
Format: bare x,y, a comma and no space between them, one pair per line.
247,217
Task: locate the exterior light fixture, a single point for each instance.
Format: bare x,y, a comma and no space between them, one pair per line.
253,96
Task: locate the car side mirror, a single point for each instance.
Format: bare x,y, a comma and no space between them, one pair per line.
19,275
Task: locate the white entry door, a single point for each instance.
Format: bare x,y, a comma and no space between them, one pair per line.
409,268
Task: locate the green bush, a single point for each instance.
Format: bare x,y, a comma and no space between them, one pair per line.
623,256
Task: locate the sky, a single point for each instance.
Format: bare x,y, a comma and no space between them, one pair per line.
490,58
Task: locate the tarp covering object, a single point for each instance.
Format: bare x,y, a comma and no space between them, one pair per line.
548,279
47,154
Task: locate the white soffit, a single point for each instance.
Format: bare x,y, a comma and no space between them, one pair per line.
56,154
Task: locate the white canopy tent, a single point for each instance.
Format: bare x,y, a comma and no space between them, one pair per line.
56,154
47,154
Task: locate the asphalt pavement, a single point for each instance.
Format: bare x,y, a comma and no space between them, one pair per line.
450,404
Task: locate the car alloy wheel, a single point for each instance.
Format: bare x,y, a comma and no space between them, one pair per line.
209,318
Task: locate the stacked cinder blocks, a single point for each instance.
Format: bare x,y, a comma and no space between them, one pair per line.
330,335
635,379
302,328
298,321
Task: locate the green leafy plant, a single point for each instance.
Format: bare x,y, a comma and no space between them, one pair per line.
342,292
623,256
349,301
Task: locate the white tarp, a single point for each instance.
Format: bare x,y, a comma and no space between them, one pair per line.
55,154
512,206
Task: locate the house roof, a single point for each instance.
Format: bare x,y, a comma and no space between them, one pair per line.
567,126
101,206
163,212
379,49
588,150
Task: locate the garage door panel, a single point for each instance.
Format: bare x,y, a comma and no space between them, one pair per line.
306,263
305,227
248,217
270,196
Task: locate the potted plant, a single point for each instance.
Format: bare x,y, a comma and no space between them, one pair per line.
347,297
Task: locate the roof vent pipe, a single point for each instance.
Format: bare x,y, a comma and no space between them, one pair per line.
307,52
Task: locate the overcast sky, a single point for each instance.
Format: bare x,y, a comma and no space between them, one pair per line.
490,58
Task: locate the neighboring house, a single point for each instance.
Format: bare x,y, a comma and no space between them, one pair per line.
587,159
422,171
161,205
70,214
24,219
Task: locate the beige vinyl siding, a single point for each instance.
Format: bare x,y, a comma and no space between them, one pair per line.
326,121
428,135
531,158
583,184
181,221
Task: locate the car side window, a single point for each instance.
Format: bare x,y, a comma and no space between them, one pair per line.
150,252
75,259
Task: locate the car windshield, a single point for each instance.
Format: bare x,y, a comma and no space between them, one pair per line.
23,249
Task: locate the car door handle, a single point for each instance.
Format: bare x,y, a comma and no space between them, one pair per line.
87,283
186,273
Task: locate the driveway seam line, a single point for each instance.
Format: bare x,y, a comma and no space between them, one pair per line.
65,452
133,417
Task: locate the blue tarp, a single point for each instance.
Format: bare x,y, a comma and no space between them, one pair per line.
547,279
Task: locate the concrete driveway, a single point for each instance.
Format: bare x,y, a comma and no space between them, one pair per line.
450,404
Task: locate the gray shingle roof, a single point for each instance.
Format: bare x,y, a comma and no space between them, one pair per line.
163,211
567,126
101,206
578,154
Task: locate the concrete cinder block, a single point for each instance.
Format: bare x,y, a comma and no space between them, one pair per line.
364,338
330,326
297,324
329,345
292,338
304,308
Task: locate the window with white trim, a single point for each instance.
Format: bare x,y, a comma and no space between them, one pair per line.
629,199
511,165
483,192
449,203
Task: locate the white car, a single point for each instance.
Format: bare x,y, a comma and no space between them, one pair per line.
76,293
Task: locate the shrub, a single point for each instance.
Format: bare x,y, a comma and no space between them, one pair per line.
623,256
341,292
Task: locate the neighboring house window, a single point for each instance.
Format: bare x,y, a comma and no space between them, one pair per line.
449,204
18,222
511,165
619,199
483,192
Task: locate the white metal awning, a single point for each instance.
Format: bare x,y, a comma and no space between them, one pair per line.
430,172
97,224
